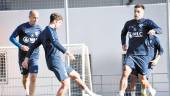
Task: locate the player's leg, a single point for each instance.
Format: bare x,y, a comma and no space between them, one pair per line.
152,90
127,69
60,72
124,79
33,70
32,86
63,78
143,70
133,79
144,84
25,82
63,88
25,79
76,77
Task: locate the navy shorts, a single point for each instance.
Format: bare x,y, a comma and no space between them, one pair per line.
134,72
138,63
149,72
69,69
59,68
32,67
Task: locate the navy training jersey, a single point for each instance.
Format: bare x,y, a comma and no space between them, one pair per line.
27,34
137,32
49,39
154,46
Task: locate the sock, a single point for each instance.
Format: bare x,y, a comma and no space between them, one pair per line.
133,93
27,94
144,91
121,93
150,89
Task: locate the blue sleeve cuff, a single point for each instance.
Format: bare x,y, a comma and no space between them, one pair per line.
19,46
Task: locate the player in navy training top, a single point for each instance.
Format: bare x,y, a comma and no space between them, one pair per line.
136,57
52,47
28,33
155,51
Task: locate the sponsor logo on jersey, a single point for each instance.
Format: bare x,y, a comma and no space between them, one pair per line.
32,40
26,39
31,35
135,34
29,40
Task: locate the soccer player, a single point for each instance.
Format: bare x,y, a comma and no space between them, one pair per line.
155,52
52,47
28,32
137,52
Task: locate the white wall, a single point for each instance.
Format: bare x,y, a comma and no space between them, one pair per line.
99,28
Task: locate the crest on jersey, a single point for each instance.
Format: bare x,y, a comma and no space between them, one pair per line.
132,28
140,25
36,33
27,31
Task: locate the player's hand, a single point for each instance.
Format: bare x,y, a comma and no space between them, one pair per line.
151,32
24,48
25,63
71,56
124,47
154,62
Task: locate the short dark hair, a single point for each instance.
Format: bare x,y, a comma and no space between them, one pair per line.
139,6
32,12
55,16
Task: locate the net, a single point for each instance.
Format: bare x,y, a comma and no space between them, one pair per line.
47,84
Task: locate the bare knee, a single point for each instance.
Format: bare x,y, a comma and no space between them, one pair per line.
24,78
133,82
126,71
144,81
33,78
74,75
65,84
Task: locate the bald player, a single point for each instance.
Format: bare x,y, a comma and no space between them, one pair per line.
28,33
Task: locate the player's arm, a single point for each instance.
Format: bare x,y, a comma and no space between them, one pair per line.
159,47
59,46
159,50
123,37
13,37
155,61
36,44
54,40
15,41
155,29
